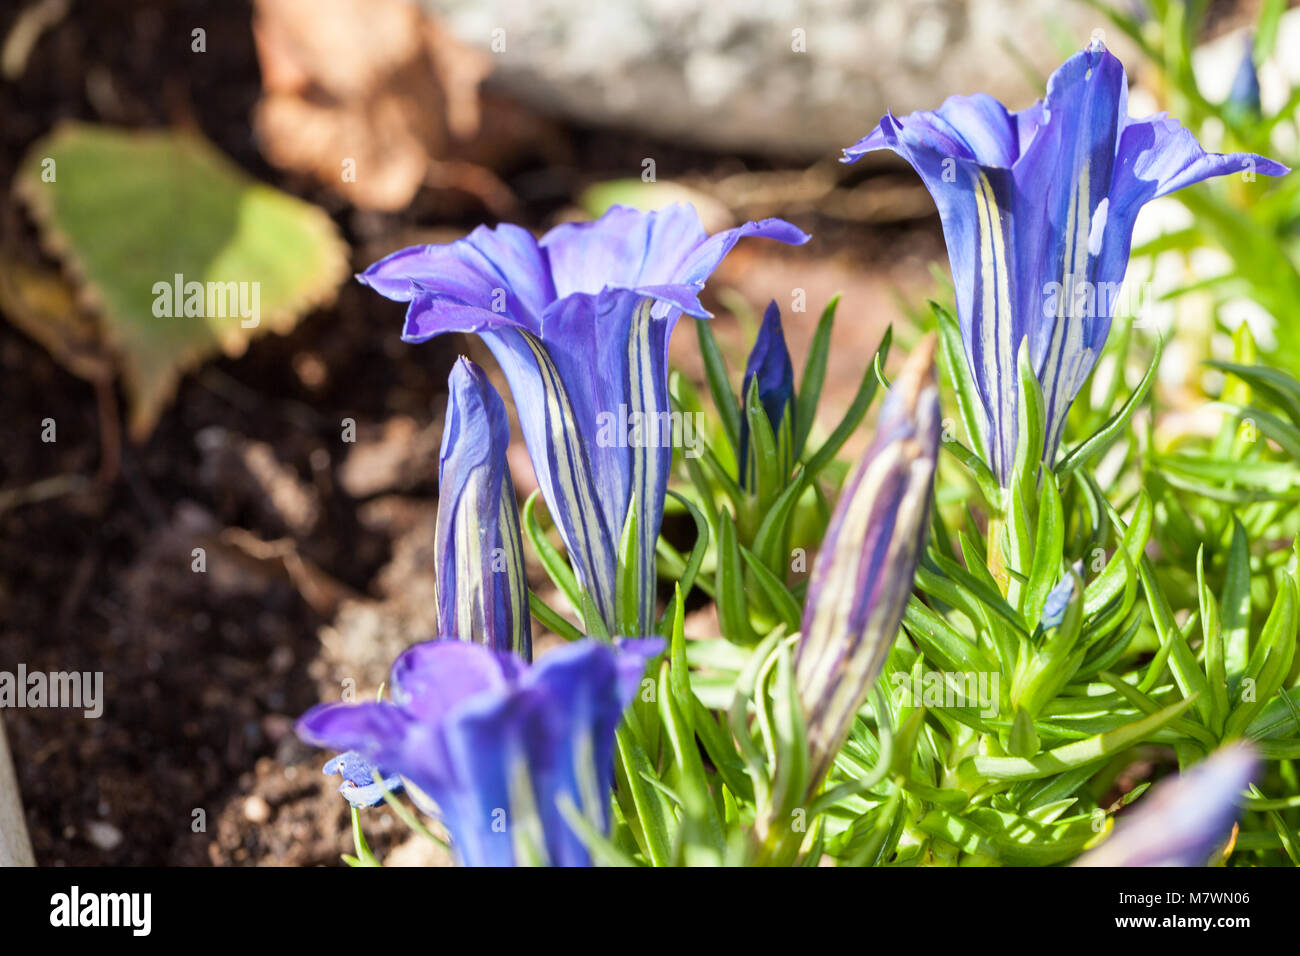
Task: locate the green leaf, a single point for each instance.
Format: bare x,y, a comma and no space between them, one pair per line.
1270,662
701,822
733,610
730,487
1270,15
1100,441
1146,705
1049,544
772,536
627,585
1173,646
954,359
873,836
745,689
650,814
787,607
972,595
557,569
1231,479
1281,715
603,850
1048,668
715,371
680,674
1118,580
884,760
1024,741
1287,436
1279,387
130,211
790,785
551,619
763,470
1032,425
1290,841
940,642
1078,754
1212,641
686,577
984,477
1236,602
592,622
722,753
814,375
857,411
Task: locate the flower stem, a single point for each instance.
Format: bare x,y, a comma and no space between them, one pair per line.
997,562
409,818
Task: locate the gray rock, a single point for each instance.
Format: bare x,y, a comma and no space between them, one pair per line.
15,844
785,77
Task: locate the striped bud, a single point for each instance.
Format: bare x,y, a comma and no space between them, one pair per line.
863,574
482,594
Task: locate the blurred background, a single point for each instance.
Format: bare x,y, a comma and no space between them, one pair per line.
231,514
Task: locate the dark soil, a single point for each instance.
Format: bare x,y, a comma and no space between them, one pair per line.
194,760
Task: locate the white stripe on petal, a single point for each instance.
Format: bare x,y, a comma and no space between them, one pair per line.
996,285
572,476
471,614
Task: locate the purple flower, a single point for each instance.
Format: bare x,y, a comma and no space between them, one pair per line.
482,594
863,574
1038,210
1183,820
769,367
579,322
364,784
493,747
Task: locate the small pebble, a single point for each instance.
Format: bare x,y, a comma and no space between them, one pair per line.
256,810
103,834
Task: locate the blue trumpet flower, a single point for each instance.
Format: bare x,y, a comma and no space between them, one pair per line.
1038,208
364,784
770,369
494,748
482,594
862,578
1183,820
579,322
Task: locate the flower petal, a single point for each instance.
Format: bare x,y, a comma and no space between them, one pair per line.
502,266
367,728
625,248
704,259
492,805
1065,177
558,420
364,784
976,128
590,685
431,678
1183,819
